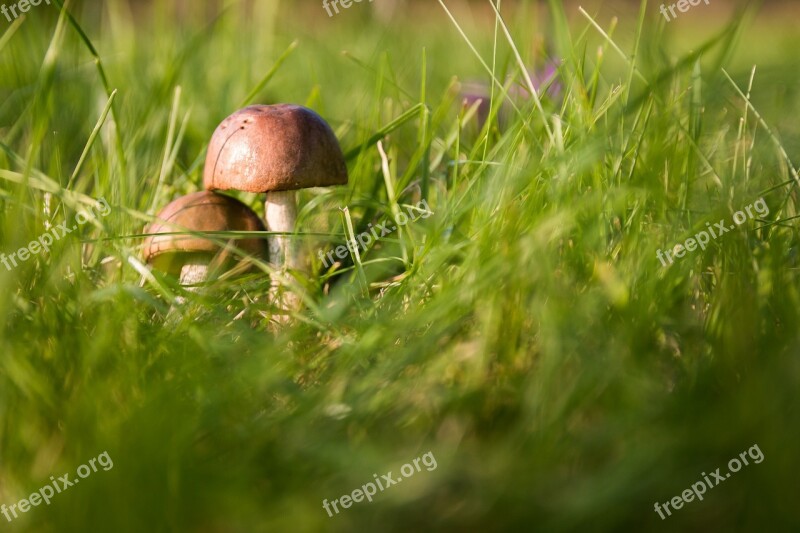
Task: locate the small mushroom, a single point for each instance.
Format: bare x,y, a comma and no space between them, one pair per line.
275,149
190,256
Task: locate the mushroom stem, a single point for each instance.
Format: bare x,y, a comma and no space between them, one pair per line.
195,272
280,215
191,274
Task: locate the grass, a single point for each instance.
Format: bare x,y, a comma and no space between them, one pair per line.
525,334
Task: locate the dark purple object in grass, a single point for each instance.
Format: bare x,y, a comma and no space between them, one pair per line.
544,80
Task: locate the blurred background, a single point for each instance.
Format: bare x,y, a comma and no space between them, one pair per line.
526,334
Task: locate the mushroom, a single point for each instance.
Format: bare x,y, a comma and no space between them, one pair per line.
275,149
190,256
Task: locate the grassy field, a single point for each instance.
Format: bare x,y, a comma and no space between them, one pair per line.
525,335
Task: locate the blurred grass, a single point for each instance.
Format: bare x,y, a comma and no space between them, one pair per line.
526,333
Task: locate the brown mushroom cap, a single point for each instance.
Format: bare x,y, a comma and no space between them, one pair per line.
282,147
200,211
